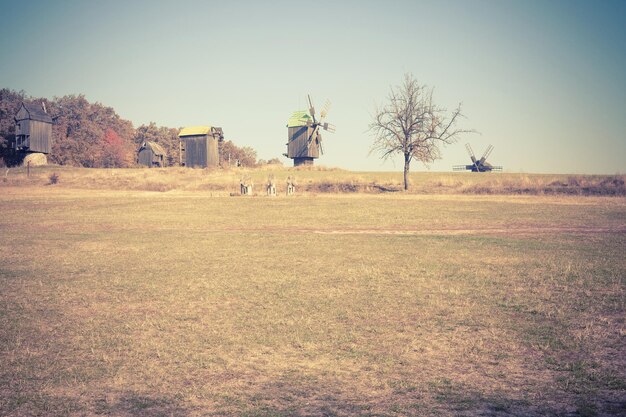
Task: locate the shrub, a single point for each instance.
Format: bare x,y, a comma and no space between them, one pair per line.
53,179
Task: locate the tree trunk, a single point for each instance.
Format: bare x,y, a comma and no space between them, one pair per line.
407,163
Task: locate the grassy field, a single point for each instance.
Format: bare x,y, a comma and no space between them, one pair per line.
119,301
315,180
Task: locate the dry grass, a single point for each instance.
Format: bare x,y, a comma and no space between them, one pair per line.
319,180
177,303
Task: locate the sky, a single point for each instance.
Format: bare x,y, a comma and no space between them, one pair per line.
544,82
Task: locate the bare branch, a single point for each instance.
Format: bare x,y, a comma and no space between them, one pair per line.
411,124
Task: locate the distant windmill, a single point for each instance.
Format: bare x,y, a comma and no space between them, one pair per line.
305,138
478,165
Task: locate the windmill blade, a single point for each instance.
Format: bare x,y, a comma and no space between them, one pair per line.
319,143
470,151
487,153
314,135
329,127
325,109
311,109
471,154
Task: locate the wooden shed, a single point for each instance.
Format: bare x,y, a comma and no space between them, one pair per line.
199,146
33,129
151,154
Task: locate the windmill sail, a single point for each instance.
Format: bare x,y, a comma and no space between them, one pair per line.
486,154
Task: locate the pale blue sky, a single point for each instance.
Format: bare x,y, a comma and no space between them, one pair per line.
543,81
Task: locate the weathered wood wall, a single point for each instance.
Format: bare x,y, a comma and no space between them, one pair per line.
33,135
40,137
201,151
297,147
147,157
37,135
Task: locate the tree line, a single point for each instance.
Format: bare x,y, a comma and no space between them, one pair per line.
93,135
85,134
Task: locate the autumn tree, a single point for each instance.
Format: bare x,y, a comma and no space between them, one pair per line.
90,134
412,125
245,155
115,152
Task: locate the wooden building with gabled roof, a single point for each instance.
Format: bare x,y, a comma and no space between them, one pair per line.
33,129
199,146
151,154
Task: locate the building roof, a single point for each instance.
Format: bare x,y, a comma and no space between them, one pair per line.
35,112
155,147
195,131
299,118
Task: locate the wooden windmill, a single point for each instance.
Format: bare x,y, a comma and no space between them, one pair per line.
305,137
478,165
33,129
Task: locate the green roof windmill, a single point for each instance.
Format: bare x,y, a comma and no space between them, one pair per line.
304,133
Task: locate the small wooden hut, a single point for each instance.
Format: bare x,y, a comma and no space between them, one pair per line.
151,154
33,129
199,146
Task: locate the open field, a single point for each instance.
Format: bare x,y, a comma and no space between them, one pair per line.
118,301
316,180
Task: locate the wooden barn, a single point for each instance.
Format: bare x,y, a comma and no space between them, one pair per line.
151,154
33,129
199,146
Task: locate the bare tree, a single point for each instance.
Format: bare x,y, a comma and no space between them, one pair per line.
412,125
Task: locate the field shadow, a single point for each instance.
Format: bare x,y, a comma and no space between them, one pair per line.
139,404
281,399
286,397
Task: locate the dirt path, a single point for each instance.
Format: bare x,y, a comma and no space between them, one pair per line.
443,231
479,231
